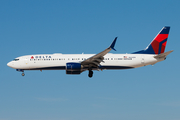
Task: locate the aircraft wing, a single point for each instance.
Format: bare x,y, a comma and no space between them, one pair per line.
95,60
163,55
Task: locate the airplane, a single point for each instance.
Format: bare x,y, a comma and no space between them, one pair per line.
75,64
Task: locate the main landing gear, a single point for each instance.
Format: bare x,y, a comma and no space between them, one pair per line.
90,73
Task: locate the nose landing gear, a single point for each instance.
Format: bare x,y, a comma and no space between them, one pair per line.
21,70
23,74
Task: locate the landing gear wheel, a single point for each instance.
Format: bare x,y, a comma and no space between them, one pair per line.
90,73
23,74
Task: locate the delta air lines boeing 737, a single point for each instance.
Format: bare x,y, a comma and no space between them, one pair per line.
78,63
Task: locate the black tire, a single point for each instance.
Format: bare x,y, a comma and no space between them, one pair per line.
23,74
90,73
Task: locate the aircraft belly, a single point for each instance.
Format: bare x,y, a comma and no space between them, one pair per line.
119,65
47,65
115,67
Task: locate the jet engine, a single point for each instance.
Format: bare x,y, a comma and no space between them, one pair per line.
73,68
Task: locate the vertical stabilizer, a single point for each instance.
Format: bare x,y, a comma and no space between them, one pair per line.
158,45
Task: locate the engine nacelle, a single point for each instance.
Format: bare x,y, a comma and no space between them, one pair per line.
73,68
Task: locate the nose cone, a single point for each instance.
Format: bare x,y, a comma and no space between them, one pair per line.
9,64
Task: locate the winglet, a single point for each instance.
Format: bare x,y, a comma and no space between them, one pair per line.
113,44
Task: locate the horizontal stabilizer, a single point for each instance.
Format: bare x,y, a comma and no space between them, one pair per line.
163,55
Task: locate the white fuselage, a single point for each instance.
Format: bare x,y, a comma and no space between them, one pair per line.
58,61
77,63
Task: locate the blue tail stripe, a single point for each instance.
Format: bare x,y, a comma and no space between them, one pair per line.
147,51
160,45
165,30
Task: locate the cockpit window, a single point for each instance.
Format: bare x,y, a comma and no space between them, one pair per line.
15,59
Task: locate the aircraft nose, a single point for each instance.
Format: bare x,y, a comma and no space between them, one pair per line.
9,64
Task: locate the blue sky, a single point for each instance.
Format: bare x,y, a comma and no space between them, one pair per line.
59,26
